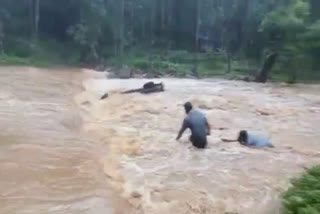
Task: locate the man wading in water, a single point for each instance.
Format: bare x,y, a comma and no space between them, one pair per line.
198,124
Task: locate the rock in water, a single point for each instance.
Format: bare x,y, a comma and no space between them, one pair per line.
149,75
111,75
100,68
149,85
125,73
106,95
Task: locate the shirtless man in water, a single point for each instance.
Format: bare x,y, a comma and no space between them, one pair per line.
198,124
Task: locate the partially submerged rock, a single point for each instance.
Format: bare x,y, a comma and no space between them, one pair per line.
125,73
106,95
243,78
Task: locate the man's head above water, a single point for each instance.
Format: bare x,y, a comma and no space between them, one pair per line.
243,137
188,107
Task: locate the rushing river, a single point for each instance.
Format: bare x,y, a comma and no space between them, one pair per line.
63,150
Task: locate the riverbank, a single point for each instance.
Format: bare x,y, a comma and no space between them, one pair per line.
303,195
177,64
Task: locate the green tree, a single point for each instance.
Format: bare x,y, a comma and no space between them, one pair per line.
283,26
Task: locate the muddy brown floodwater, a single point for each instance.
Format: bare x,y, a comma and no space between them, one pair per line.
63,150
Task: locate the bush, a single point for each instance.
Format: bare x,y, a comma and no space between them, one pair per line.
14,60
142,64
17,47
304,196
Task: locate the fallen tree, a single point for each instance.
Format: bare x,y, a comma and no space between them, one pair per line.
262,76
147,88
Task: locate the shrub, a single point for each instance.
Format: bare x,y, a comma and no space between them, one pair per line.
304,195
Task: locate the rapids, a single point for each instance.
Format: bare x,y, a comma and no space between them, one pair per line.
63,150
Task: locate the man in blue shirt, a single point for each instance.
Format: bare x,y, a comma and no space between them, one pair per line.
247,139
251,140
198,124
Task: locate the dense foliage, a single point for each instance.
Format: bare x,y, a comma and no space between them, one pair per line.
304,196
203,36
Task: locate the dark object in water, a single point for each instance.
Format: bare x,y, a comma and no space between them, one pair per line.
228,140
106,95
149,85
262,76
147,88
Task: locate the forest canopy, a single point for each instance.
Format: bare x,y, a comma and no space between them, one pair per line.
198,37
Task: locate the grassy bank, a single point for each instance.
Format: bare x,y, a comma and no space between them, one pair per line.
42,53
15,60
180,63
157,62
304,195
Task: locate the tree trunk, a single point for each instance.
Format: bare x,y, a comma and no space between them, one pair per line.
31,22
115,47
262,76
94,54
36,18
229,60
169,26
242,14
163,17
143,28
152,22
133,18
1,47
197,29
293,75
1,39
121,31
